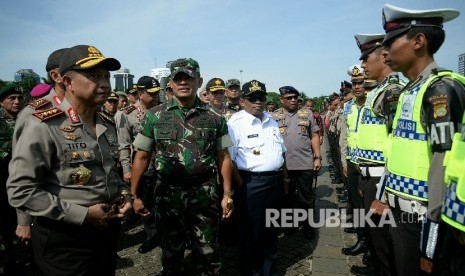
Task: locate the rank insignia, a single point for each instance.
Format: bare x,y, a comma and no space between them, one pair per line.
86,154
256,151
73,115
37,104
48,113
81,175
71,136
67,128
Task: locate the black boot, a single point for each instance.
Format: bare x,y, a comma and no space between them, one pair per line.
362,270
356,249
366,260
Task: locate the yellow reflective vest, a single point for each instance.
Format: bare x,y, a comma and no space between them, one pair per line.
409,153
453,210
352,112
373,131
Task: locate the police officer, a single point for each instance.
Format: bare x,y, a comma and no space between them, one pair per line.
63,173
53,98
122,99
190,143
130,123
373,130
132,94
348,144
270,106
215,94
11,103
258,152
233,95
111,105
303,158
429,111
453,252
334,131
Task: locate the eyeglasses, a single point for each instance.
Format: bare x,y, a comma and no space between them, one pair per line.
254,98
291,97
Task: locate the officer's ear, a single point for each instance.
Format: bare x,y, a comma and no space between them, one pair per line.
67,80
200,81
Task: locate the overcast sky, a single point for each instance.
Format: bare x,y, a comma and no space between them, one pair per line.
308,44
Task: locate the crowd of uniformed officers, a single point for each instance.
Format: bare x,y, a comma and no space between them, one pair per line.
80,159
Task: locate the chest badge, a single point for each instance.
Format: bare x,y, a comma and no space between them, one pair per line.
256,151
81,175
71,136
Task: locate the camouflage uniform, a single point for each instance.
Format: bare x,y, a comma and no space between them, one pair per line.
185,141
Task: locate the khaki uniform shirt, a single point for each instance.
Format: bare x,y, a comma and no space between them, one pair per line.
296,129
60,166
130,122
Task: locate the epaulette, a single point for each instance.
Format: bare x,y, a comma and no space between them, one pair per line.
48,113
38,103
393,79
302,112
129,109
279,113
106,117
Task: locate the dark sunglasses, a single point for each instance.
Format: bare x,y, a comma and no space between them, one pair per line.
254,98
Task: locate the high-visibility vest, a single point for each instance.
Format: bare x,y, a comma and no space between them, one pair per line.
409,152
373,131
453,209
352,112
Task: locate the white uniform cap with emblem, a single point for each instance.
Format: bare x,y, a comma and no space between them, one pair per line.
397,20
356,73
367,43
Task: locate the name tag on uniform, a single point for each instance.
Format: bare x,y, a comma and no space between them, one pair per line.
252,136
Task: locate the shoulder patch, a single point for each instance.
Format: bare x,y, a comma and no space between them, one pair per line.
39,103
48,113
106,117
129,109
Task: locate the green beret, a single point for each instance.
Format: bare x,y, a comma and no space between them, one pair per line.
8,90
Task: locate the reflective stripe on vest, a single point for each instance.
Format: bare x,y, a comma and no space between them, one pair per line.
352,113
453,210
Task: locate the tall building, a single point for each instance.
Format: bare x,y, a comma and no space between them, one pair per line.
123,79
24,73
462,64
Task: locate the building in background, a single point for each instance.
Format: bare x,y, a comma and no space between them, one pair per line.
20,75
123,79
162,76
462,64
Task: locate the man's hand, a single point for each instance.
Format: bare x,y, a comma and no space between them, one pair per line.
24,233
426,265
99,214
378,207
228,206
123,210
321,140
139,208
127,177
317,165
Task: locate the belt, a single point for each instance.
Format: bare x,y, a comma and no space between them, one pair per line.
258,174
406,205
372,171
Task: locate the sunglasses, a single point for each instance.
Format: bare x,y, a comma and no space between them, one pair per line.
254,98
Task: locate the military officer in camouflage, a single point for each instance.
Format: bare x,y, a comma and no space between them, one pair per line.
11,103
190,143
233,95
63,172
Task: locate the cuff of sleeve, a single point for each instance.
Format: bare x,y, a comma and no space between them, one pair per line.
144,143
76,214
23,218
223,142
